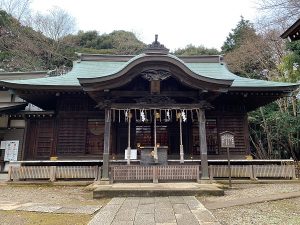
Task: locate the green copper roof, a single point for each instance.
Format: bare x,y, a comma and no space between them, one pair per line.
94,69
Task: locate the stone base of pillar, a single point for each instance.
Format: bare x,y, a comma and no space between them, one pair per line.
205,181
104,181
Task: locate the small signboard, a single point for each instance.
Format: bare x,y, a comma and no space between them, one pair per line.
11,150
133,154
227,140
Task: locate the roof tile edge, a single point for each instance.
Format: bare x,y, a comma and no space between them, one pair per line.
104,57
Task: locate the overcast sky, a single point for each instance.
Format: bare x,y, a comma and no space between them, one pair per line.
177,23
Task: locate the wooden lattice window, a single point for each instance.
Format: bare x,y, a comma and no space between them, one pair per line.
145,135
211,137
72,136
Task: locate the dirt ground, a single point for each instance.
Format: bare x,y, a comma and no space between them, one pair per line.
283,212
53,195
60,195
32,218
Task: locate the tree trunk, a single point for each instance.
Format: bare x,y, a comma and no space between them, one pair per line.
265,126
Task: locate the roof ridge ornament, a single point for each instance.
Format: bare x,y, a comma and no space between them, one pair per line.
156,48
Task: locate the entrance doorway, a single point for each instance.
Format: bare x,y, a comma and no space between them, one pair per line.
145,134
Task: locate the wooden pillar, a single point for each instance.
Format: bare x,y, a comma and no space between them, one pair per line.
128,146
181,144
155,156
54,137
25,139
107,125
203,144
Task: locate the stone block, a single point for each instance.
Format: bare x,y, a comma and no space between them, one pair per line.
148,208
187,218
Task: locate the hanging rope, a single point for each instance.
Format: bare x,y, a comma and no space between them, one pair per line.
160,115
113,112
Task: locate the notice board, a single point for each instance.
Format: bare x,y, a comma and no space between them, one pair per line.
11,150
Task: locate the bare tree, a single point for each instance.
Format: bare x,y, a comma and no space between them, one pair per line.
20,9
56,24
279,13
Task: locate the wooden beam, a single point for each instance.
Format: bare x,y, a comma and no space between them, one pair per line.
159,106
113,93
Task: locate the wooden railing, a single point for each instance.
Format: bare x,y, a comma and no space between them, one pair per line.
53,172
295,163
129,173
253,171
150,173
236,171
154,173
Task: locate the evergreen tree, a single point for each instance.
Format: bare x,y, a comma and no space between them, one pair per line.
235,37
193,50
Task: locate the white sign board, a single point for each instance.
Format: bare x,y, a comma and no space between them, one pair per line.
227,140
133,154
11,150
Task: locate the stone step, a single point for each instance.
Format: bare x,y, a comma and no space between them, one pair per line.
151,190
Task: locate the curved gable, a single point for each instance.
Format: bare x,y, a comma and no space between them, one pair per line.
143,62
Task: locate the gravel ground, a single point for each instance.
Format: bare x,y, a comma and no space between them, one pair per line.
250,190
283,212
60,195
53,195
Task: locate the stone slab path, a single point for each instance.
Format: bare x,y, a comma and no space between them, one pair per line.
173,210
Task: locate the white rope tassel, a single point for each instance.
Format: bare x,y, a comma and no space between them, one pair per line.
183,116
126,115
143,118
168,115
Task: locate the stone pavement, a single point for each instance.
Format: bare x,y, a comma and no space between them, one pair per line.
46,208
172,210
246,201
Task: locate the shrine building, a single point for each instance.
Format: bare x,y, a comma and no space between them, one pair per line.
153,108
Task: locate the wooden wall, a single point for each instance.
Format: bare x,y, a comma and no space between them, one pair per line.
76,131
73,132
237,124
39,138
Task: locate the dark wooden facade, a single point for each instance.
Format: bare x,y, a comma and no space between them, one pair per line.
76,130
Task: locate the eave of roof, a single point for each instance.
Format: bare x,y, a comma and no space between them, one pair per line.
209,68
292,30
9,106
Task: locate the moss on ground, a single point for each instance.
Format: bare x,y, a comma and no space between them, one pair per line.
33,218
